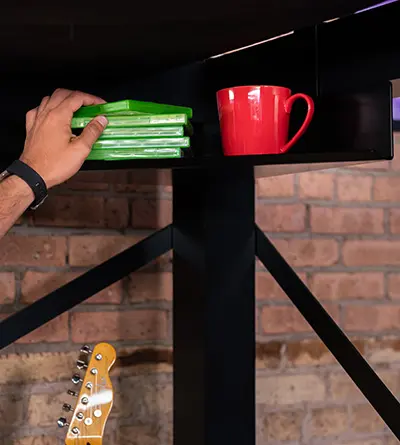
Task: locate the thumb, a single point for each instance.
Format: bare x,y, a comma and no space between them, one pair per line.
92,131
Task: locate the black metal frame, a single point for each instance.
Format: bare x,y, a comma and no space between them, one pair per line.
215,241
214,306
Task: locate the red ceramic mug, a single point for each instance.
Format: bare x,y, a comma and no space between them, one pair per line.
254,120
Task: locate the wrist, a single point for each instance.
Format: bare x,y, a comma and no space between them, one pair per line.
33,180
19,187
37,169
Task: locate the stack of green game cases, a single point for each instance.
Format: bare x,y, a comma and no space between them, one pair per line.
138,130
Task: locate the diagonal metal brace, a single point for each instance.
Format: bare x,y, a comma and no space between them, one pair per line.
83,287
377,393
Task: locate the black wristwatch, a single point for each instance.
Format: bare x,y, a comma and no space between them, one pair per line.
31,177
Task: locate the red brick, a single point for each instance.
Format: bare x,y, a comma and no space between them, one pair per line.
40,367
52,332
145,181
38,284
12,413
395,162
373,166
21,250
308,252
328,421
308,353
316,185
281,426
91,250
95,180
268,353
282,320
145,434
387,188
268,289
372,318
275,186
150,286
344,390
116,213
341,286
384,350
286,390
344,220
287,319
394,286
281,218
394,218
138,325
364,419
151,213
7,287
354,188
71,211
371,253
36,440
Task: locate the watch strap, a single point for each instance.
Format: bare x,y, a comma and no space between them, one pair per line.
32,178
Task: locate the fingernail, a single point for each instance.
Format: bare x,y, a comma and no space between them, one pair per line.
102,120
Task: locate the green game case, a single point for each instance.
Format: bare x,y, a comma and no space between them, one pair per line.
141,120
141,153
142,132
132,107
133,144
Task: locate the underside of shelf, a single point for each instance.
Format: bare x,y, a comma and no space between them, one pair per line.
71,36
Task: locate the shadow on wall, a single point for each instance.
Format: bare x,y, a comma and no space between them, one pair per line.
33,388
13,399
143,400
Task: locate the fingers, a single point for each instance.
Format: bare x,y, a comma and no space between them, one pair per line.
69,101
57,97
43,104
76,100
91,132
30,119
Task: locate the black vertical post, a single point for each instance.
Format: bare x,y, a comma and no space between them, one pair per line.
214,307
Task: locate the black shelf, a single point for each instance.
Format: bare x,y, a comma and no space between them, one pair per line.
264,166
268,164
358,125
353,107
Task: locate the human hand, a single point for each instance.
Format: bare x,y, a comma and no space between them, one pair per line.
50,147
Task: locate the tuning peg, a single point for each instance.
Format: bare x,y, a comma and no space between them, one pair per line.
76,379
62,422
67,407
80,364
85,349
72,393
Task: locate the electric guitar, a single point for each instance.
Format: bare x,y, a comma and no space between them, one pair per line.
95,397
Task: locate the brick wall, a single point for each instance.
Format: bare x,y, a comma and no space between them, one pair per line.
339,229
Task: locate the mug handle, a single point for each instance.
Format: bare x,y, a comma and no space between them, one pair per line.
310,112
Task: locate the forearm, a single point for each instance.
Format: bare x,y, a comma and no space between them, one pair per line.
15,198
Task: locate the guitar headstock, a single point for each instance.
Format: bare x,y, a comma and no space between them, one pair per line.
95,397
